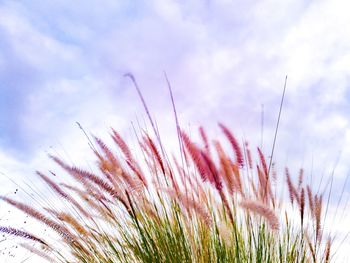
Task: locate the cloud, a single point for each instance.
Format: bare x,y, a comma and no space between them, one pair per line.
62,62
231,57
224,59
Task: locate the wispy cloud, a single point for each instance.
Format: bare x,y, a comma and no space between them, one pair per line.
64,62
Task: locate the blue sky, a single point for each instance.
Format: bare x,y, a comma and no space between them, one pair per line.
64,61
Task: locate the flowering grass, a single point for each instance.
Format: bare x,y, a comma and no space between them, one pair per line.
214,201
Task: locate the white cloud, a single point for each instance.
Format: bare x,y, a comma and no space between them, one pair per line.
35,48
223,58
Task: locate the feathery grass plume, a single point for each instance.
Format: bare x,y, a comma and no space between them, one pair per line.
65,217
204,137
105,186
60,229
266,186
293,193
197,157
63,194
122,145
263,185
128,156
262,210
40,253
149,142
263,163
21,233
249,155
112,169
211,168
310,199
226,170
317,216
138,173
237,176
327,250
82,176
114,163
217,182
89,190
234,143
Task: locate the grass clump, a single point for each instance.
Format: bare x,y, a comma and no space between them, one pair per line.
207,205
215,201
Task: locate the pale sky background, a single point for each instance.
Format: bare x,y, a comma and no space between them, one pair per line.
64,61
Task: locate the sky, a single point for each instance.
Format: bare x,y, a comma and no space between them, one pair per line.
64,61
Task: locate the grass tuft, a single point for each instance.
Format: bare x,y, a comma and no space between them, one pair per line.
207,205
